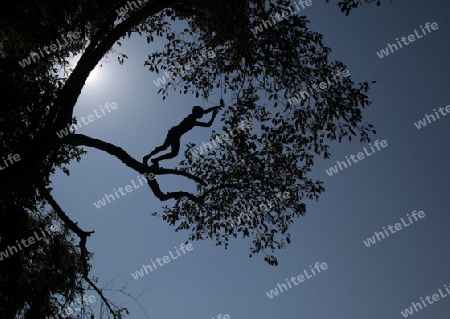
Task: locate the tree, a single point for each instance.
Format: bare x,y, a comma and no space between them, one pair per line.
250,61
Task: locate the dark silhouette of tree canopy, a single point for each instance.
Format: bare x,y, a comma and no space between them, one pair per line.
276,155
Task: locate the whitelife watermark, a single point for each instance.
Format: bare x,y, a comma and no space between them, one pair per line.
71,309
244,126
411,38
11,250
304,94
140,273
360,155
397,226
423,123
53,47
280,17
300,278
261,208
128,7
11,158
90,118
128,189
417,306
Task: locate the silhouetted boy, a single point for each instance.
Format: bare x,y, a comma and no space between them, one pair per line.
175,133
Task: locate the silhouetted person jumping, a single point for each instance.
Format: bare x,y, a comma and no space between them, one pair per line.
175,133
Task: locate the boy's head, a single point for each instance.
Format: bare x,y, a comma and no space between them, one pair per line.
197,111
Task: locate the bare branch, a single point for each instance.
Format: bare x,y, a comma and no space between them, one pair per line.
62,215
83,235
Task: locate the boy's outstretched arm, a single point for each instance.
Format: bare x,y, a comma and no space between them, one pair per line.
202,124
218,107
215,109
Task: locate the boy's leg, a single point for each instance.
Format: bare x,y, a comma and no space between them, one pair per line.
157,149
174,152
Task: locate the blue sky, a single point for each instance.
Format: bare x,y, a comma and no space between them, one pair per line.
360,282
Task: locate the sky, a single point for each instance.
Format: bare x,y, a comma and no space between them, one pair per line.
408,174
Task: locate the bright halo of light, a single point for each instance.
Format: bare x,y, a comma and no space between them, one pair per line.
94,76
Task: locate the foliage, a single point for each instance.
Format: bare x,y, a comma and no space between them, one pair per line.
279,153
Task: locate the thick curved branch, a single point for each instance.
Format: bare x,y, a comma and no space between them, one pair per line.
120,153
124,157
154,186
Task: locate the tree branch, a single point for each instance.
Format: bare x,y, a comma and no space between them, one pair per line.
124,157
83,235
121,154
154,186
